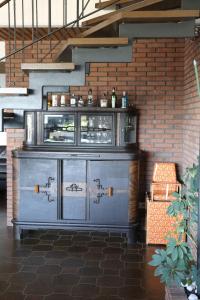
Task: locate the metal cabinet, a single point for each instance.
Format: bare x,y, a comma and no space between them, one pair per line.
37,190
108,192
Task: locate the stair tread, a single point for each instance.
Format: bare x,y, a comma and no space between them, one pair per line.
47,66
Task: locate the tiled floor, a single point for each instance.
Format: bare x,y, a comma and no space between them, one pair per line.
74,266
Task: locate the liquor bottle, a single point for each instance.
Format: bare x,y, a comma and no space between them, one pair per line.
80,101
90,101
49,101
55,100
103,101
73,101
113,98
62,100
124,100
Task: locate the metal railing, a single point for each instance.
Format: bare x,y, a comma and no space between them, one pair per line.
81,13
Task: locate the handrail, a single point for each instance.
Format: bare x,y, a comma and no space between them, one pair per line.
52,32
4,3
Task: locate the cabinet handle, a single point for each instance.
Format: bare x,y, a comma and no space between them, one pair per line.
109,191
46,189
36,188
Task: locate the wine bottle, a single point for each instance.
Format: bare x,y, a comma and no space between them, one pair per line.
113,98
90,101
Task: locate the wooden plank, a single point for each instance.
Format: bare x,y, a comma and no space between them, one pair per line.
135,6
47,66
159,16
92,42
101,5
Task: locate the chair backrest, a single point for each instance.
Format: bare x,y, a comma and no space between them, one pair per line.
164,172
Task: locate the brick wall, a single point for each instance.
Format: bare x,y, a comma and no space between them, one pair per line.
154,81
15,139
191,126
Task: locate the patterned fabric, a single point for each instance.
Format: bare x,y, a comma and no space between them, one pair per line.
164,172
164,182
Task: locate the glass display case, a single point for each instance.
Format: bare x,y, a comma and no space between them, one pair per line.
96,129
59,128
91,127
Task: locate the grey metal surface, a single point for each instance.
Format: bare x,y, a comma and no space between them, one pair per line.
157,30
80,153
35,206
190,4
74,201
119,54
114,209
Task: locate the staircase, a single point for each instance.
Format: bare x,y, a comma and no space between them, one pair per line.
87,38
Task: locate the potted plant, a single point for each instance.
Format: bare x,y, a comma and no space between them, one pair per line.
176,263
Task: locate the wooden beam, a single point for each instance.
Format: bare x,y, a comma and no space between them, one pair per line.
101,5
102,25
145,16
92,42
47,66
159,16
135,6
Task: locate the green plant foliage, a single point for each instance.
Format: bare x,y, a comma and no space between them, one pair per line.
175,263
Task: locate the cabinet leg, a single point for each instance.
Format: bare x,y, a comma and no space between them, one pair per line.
131,235
17,232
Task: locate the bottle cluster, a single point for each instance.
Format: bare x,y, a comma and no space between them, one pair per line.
56,100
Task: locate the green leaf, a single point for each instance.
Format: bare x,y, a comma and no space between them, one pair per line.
175,254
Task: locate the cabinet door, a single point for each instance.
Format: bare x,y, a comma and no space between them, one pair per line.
74,190
38,190
108,192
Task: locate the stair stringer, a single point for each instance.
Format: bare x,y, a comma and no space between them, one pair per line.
157,30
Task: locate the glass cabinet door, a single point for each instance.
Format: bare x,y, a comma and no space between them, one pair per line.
59,128
127,126
96,129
